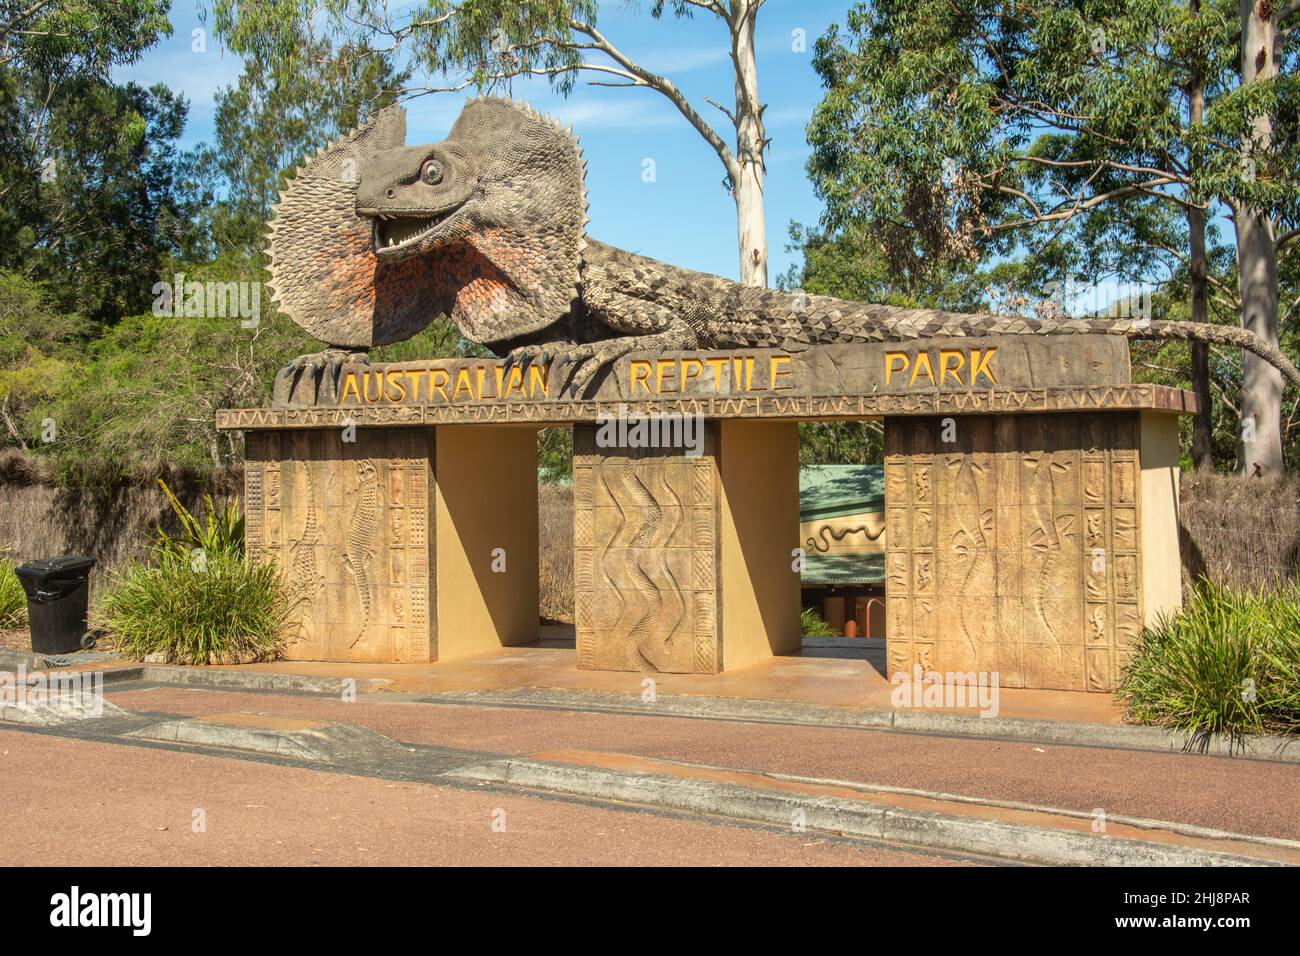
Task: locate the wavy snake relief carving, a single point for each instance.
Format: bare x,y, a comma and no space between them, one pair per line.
1048,539
360,544
308,579
970,545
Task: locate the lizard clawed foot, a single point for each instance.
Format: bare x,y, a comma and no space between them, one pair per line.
585,362
526,355
588,360
314,379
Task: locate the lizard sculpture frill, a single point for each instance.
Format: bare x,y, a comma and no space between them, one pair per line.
373,239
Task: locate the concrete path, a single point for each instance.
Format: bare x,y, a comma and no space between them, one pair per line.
834,671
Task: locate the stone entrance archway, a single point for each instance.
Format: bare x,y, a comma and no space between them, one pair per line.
1031,499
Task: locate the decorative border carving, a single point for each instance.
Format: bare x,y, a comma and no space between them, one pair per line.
803,408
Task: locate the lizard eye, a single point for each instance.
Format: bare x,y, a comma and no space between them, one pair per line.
431,173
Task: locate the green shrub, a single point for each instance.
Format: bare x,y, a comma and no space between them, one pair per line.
1228,662
13,599
812,624
200,609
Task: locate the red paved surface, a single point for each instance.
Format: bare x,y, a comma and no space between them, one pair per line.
72,802
1242,796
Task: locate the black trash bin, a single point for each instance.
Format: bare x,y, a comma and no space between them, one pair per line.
58,592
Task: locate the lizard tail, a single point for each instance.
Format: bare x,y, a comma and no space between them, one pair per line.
822,319
1182,331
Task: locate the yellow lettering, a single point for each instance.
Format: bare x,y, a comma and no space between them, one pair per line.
947,368
413,376
661,366
639,370
890,358
539,375
438,379
395,379
378,379
479,371
718,365
462,382
350,382
777,370
922,359
687,376
979,365
516,380
749,373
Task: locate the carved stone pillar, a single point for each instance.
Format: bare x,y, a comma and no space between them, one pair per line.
348,523
1014,543
369,532
665,543
645,538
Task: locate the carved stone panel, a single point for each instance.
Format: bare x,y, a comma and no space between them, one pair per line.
645,557
348,525
1034,552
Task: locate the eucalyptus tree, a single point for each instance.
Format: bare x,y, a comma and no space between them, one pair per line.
1093,135
483,44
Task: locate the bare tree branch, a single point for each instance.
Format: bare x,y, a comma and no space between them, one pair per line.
668,89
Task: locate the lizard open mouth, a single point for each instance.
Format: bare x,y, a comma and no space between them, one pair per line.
392,233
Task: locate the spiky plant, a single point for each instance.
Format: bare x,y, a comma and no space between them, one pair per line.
1228,662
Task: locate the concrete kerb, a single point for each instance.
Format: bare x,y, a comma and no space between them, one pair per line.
350,748
314,741
258,680
921,828
937,723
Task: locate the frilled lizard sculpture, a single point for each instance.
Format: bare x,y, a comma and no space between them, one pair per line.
373,239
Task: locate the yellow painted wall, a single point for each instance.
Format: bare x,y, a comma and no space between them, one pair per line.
486,482
758,469
1158,516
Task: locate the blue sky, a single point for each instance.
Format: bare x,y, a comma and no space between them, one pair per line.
684,216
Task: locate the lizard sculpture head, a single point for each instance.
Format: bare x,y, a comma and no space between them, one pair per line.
373,238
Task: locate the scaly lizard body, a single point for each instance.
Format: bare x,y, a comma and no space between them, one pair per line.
373,239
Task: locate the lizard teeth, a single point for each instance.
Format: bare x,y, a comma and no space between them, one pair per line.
393,231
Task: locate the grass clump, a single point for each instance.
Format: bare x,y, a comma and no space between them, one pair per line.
196,600
13,599
1228,662
220,610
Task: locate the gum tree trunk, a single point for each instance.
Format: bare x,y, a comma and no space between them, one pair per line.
749,178
1260,446
1203,422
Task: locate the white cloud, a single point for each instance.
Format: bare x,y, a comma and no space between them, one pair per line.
618,109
